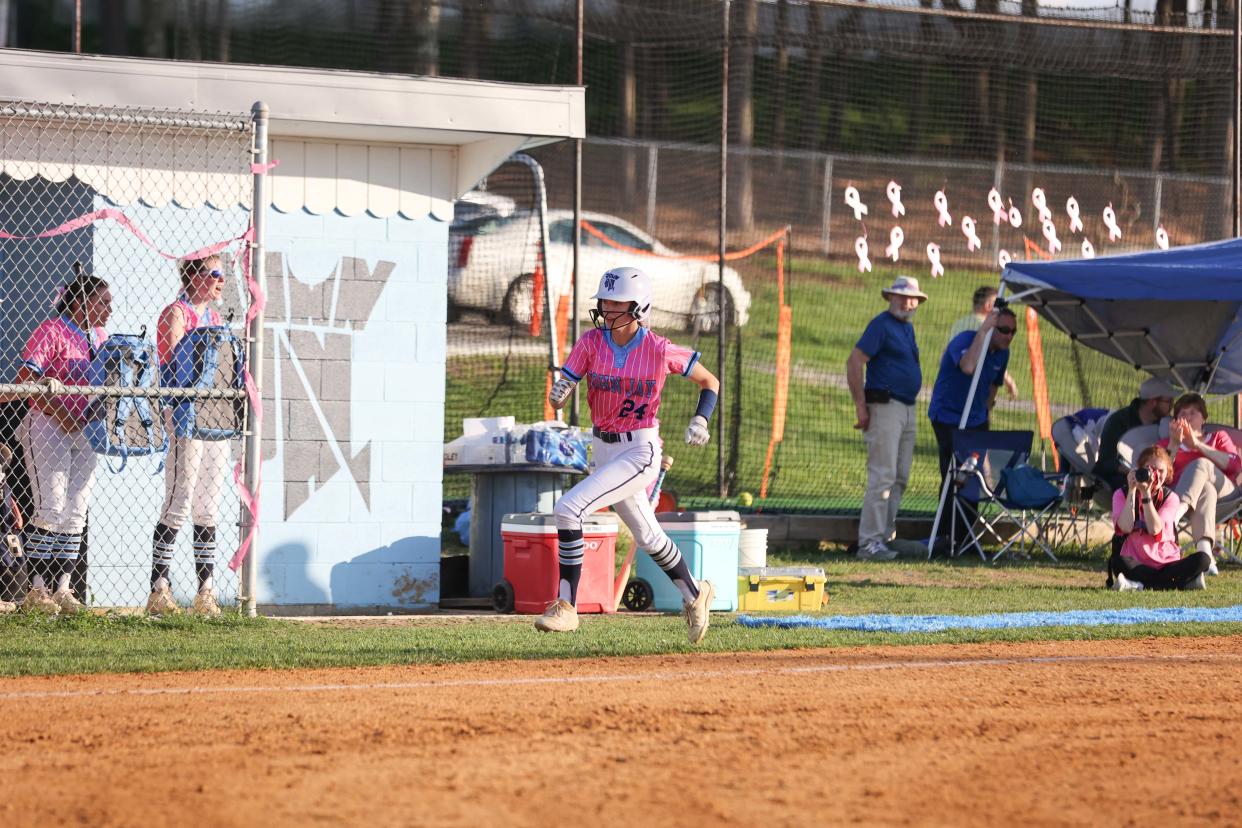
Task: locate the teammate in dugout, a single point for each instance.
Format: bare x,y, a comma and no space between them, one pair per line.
59,459
194,471
624,366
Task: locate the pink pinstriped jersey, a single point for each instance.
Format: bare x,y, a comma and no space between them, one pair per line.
58,348
192,320
624,383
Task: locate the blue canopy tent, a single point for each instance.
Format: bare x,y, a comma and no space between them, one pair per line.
1172,313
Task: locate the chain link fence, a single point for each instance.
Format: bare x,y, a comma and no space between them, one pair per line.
122,304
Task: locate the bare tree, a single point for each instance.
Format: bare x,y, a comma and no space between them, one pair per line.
154,23
782,80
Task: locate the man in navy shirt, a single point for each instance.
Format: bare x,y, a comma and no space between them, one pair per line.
957,366
884,404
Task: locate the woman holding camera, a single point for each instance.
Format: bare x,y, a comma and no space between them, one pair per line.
1146,514
1204,468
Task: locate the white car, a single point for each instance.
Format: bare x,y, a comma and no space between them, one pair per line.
492,264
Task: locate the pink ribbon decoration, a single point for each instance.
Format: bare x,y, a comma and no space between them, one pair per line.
894,195
941,202
263,169
1162,238
1003,259
933,256
972,238
1050,233
125,221
860,247
999,213
258,301
1110,221
1072,210
896,237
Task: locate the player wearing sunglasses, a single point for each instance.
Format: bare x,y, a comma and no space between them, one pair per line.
194,470
964,352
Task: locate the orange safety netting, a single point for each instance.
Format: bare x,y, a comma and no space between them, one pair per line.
1035,350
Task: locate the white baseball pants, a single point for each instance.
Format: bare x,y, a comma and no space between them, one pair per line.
194,478
622,475
62,472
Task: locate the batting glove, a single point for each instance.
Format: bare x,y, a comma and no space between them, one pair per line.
697,433
53,385
561,389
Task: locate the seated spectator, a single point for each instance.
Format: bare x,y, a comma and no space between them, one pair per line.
1145,514
59,459
1204,469
1152,405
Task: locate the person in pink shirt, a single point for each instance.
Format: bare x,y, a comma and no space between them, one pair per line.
195,470
59,459
1146,515
624,365
1205,468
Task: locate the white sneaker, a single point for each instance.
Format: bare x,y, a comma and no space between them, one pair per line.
1124,584
6,607
67,601
876,551
560,616
1198,583
205,605
40,601
1212,568
161,602
698,612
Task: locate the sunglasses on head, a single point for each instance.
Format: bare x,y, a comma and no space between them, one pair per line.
1010,331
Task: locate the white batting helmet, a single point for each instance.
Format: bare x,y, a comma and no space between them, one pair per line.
624,284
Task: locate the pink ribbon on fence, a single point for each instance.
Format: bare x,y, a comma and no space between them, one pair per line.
258,301
125,221
264,169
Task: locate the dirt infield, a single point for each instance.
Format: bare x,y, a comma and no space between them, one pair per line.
1121,732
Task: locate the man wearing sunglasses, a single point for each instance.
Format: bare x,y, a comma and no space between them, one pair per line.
957,366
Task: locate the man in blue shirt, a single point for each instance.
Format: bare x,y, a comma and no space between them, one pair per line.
884,404
957,366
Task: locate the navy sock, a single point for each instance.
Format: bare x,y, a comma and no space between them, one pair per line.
161,553
670,559
204,553
570,549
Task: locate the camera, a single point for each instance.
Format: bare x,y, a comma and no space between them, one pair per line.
1142,475
1001,303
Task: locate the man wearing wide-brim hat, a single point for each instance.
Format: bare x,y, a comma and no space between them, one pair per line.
884,405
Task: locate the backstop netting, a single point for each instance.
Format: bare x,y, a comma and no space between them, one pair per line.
100,209
832,106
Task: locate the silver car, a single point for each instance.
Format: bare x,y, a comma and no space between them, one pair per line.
492,262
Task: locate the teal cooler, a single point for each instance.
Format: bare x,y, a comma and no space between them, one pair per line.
708,541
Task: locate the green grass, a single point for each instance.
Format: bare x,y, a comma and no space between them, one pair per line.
821,465
116,643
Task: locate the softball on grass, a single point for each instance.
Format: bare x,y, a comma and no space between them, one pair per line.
745,498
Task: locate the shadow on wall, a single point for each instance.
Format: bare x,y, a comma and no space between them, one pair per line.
404,574
286,569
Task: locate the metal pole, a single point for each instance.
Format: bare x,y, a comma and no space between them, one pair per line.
574,324
254,359
1236,167
653,181
77,27
720,250
825,207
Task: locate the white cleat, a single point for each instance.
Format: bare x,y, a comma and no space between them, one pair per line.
68,602
161,602
698,612
1124,584
205,605
40,601
560,616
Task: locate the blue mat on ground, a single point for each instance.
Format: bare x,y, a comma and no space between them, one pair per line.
996,621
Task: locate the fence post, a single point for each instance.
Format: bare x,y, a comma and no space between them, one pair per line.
825,221
253,446
1157,196
653,178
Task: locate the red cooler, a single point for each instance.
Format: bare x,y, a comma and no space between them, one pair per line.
532,573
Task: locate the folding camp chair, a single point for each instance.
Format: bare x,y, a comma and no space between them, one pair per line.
1076,438
984,468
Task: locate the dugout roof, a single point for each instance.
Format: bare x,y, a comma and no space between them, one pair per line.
349,141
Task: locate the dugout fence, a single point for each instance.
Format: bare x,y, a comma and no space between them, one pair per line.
125,195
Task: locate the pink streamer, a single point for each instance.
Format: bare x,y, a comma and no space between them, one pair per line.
258,300
262,169
125,221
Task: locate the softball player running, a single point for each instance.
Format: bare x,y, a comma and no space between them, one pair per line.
624,366
194,470
59,459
